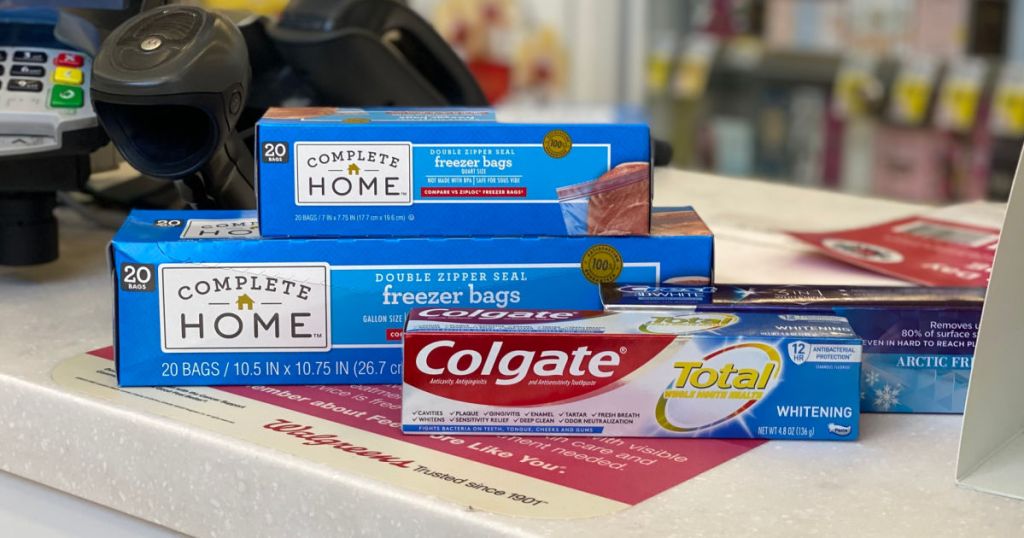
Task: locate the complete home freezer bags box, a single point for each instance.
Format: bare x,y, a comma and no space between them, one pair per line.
630,374
918,341
201,299
326,172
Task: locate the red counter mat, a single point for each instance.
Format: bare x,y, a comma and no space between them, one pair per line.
355,429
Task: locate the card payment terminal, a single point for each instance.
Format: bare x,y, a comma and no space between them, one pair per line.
47,125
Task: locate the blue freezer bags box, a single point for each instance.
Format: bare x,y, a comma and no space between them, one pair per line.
201,299
918,341
326,172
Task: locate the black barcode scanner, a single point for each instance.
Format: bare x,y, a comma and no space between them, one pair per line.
168,86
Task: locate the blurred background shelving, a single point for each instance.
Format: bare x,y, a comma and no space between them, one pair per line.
917,100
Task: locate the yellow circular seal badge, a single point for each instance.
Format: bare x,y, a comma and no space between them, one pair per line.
557,143
601,264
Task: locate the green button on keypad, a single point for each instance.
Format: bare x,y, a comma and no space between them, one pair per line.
66,97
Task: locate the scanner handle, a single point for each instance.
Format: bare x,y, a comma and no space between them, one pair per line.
413,36
223,182
408,37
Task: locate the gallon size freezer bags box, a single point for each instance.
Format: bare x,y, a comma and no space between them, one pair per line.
630,374
326,172
918,341
200,299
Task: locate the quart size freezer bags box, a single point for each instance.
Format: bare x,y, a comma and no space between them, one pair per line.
200,299
630,374
918,341
326,172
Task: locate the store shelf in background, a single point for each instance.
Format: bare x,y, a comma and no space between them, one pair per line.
774,114
946,69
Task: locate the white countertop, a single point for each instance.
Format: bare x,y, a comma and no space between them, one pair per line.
896,480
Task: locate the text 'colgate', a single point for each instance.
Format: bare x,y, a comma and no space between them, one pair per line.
523,369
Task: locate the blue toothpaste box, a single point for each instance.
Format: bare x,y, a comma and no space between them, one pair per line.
201,299
631,374
326,172
918,341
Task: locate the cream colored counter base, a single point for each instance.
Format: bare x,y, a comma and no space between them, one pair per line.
897,480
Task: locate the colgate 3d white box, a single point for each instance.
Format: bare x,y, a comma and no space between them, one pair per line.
630,374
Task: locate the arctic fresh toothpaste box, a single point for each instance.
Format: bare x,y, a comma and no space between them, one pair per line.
630,374
326,172
918,341
201,299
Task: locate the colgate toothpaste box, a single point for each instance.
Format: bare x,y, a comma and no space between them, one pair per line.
201,299
326,172
630,374
918,341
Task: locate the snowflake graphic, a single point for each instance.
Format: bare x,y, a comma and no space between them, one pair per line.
887,396
872,377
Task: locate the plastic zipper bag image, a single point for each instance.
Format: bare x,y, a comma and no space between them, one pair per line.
617,203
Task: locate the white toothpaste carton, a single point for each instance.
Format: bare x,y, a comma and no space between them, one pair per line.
630,374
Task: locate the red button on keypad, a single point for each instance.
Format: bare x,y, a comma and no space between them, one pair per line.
67,59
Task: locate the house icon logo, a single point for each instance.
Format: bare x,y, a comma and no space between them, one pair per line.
244,302
353,169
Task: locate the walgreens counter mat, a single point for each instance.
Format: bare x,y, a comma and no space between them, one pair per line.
355,429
